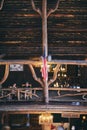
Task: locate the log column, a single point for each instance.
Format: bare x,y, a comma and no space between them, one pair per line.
45,45
44,27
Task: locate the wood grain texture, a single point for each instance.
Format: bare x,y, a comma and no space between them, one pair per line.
21,30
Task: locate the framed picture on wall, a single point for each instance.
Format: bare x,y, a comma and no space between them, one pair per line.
16,67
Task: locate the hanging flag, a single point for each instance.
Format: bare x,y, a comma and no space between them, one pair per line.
44,67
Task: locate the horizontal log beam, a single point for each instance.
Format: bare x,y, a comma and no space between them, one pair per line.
50,88
25,29
24,62
36,109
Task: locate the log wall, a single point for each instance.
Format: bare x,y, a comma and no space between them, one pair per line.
21,31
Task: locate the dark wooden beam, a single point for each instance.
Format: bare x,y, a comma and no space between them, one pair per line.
36,109
25,62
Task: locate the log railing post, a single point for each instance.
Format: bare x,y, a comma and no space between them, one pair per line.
45,45
44,27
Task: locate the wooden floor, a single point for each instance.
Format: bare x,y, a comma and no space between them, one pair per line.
39,107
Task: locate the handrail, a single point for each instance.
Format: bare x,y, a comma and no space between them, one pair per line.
30,92
72,62
50,88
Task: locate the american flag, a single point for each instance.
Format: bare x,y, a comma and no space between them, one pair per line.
44,67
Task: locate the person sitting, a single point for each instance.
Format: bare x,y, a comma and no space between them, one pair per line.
27,92
14,91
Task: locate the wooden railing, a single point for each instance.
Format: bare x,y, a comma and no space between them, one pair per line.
26,94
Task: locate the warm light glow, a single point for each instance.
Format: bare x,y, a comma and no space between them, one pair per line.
56,84
84,117
63,68
45,118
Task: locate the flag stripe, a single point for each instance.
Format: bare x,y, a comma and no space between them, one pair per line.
44,68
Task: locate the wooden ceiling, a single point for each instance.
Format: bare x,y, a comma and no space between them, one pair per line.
21,30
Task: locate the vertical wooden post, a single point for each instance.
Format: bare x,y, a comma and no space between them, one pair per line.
44,14
44,27
45,44
18,94
46,92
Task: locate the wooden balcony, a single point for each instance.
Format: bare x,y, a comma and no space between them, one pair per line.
61,100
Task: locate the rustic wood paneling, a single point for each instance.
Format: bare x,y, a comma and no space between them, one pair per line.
21,31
